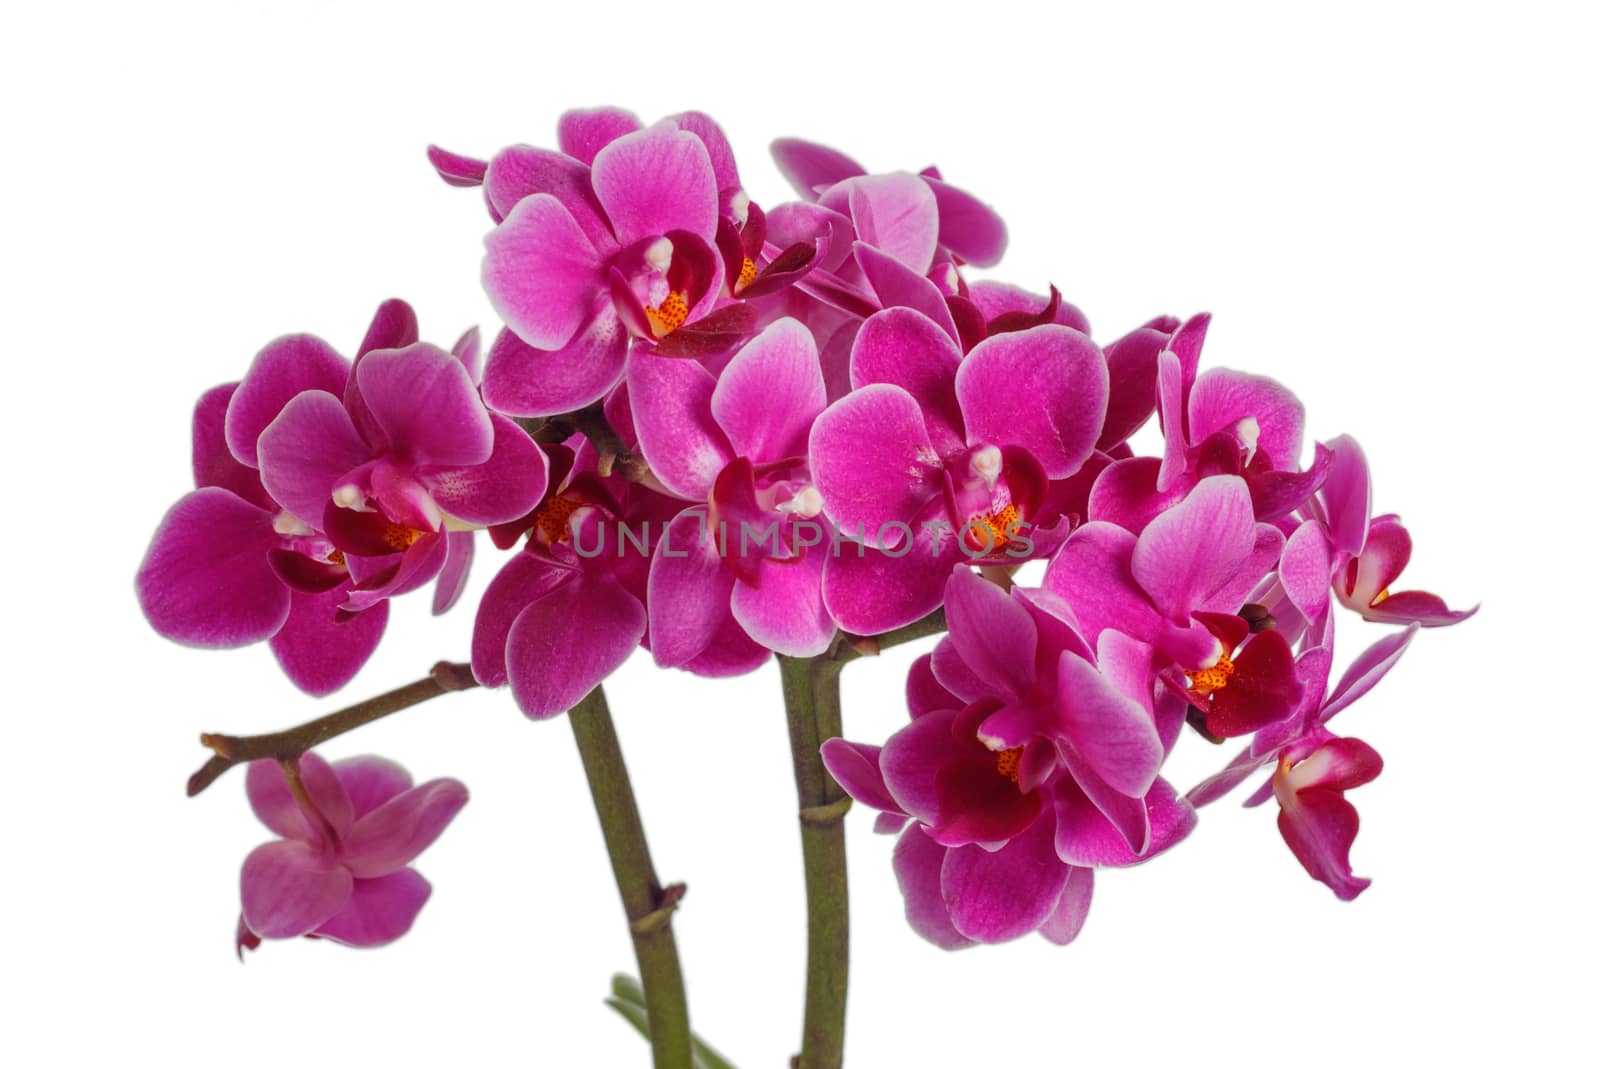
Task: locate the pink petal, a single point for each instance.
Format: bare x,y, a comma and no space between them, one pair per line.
205,580
1221,398
288,889
924,692
275,806
307,450
678,433
426,406
213,464
1347,495
810,167
899,286
1131,363
910,760
392,835
453,576
286,367
1196,546
1043,389
689,592
524,579
1007,893
541,272
1072,908
993,634
894,213
1114,733
855,768
567,642
583,132
1125,493
770,392
521,380
521,171
1093,573
1364,673
967,226
873,463
320,651
785,612
918,868
1083,836
873,592
370,781
504,487
1320,826
1306,569
379,911
904,348
1169,398
656,180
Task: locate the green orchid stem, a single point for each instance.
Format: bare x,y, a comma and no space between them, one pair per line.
811,698
648,905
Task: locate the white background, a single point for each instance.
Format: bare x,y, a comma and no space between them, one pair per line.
1388,207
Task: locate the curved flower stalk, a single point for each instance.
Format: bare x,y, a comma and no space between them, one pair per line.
729,432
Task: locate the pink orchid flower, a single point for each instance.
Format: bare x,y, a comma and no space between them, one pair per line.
1221,422
348,834
736,444
1365,555
934,458
401,469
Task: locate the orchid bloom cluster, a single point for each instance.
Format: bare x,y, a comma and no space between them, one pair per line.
723,431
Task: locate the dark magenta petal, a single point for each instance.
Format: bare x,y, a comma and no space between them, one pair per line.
1263,688
1008,307
1222,398
1276,494
322,649
456,170
979,805
1347,495
874,464
285,368
305,573
1196,546
784,610
205,580
788,267
924,692
1125,493
993,634
895,214
418,565
910,761
718,332
1007,893
711,136
379,911
307,451
214,464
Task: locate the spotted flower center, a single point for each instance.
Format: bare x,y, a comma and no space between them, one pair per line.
992,531
1009,763
551,519
747,274
1216,677
669,315
399,537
